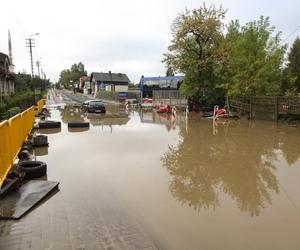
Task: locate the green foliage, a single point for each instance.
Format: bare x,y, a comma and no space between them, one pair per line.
288,86
195,49
170,72
14,111
71,76
6,114
293,68
233,63
254,59
24,95
14,104
22,100
23,83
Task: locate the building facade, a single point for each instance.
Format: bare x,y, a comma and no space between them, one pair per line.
114,82
7,77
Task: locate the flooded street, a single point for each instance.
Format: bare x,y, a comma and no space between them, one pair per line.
140,180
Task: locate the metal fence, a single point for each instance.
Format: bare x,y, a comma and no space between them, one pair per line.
116,96
170,97
13,132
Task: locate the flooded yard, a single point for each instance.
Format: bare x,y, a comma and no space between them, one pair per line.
140,180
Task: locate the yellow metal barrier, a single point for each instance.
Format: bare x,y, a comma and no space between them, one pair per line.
40,105
13,133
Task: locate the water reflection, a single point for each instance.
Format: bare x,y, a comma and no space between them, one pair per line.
170,121
288,142
49,130
40,151
239,162
78,130
115,115
107,120
71,113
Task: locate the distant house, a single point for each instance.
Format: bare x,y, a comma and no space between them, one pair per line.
82,81
7,77
84,84
148,84
115,82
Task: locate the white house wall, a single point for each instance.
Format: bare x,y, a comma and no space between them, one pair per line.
121,88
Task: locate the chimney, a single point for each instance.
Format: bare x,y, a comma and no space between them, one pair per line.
11,66
9,48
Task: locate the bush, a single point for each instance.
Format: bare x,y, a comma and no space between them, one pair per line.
3,113
22,100
13,111
13,105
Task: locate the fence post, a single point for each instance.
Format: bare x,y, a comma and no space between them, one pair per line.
228,103
251,106
276,108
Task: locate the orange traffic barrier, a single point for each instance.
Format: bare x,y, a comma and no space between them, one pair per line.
13,133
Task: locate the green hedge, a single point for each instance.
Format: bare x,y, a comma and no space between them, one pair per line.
13,105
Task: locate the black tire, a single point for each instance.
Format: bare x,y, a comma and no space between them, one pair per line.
49,124
78,124
33,169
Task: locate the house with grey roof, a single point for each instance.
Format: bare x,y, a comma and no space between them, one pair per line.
7,77
114,82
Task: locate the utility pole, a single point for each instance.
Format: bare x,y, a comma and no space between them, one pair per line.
38,64
30,43
43,76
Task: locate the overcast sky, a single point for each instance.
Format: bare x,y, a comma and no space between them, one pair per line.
127,36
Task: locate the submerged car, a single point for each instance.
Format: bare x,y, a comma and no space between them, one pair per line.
96,107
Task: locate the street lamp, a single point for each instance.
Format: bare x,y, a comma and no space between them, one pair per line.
34,34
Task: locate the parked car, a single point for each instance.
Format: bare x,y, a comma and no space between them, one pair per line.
96,107
86,103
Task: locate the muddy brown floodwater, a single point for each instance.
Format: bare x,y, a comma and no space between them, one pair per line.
148,181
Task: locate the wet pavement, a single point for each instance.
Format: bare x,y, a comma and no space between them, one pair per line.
139,180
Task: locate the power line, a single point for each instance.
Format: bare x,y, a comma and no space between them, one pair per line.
292,33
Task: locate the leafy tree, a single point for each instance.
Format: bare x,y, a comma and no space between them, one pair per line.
195,50
23,83
292,84
288,86
71,76
170,72
254,58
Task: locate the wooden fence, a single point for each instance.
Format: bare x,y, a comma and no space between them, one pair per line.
266,107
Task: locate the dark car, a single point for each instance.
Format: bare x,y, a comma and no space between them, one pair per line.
86,103
96,107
